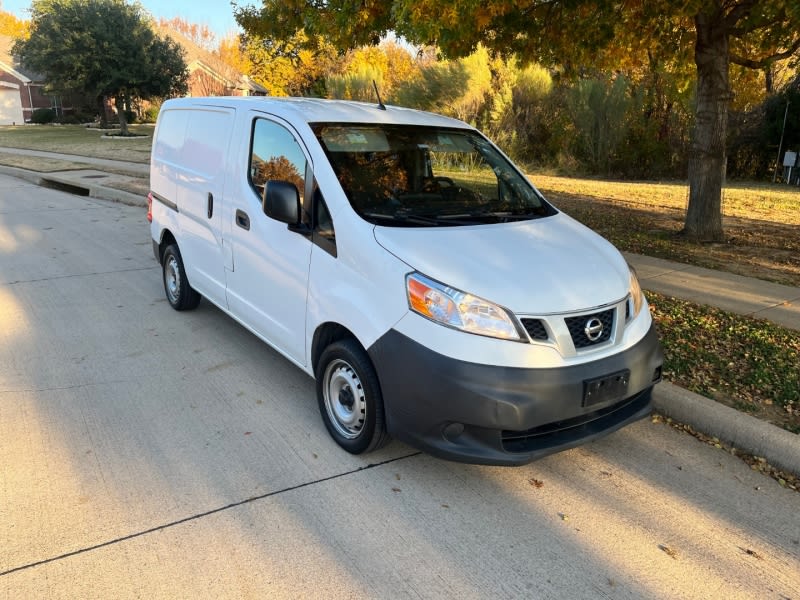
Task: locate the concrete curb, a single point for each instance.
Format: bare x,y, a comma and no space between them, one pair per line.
67,183
779,447
105,193
30,176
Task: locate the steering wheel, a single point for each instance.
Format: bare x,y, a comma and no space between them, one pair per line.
436,184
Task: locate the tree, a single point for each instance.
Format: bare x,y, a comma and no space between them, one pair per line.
290,66
575,35
198,34
231,51
458,88
102,48
354,75
389,65
12,26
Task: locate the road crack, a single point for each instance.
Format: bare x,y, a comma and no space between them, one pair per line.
201,515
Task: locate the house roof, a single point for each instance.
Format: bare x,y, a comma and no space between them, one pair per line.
10,64
199,58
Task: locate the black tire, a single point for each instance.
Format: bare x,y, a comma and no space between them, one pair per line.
180,295
349,398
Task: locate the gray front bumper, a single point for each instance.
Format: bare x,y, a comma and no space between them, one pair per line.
504,416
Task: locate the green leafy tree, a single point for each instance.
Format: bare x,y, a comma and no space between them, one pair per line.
101,48
577,35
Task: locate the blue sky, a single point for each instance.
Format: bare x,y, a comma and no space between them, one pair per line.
218,15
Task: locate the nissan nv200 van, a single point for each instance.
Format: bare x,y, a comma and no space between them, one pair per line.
404,262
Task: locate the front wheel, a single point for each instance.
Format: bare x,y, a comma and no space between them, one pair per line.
180,294
349,398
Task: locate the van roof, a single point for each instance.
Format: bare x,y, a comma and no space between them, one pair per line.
317,110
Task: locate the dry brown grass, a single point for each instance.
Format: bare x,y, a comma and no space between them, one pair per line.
761,221
33,163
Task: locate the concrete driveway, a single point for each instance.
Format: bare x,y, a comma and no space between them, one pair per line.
152,454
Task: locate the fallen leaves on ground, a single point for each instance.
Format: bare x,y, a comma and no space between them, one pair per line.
746,363
668,551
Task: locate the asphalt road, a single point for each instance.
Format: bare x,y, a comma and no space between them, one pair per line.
149,454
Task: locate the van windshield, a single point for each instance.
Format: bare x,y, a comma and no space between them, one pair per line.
413,176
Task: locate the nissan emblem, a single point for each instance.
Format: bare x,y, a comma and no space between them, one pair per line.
593,329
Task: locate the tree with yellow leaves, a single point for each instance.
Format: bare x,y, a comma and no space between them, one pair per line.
14,27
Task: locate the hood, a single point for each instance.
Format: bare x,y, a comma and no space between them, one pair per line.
541,266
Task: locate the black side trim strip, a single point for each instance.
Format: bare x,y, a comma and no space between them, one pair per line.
165,202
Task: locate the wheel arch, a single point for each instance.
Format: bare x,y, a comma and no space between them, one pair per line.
324,336
167,238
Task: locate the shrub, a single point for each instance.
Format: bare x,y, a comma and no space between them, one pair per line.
69,120
43,115
84,117
150,115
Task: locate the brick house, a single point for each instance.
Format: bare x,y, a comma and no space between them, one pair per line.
21,92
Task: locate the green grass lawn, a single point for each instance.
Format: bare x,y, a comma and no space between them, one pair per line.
80,141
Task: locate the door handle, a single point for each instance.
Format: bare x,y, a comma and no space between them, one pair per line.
210,205
242,220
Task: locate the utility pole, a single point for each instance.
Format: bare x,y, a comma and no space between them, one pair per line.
780,146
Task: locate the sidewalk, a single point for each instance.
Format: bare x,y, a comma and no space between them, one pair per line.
85,182
734,293
140,169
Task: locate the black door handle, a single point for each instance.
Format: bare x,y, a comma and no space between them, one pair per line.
210,205
242,220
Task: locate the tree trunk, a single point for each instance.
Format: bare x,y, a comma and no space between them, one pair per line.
119,101
101,109
707,155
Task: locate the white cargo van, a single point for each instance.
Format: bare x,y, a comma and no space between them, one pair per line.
405,263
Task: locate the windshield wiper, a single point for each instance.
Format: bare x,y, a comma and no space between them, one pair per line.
501,215
506,214
431,220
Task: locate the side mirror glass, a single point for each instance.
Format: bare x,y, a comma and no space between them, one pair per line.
282,202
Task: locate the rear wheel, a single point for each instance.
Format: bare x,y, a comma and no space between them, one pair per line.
180,295
349,398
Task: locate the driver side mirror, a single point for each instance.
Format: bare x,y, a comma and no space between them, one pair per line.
282,202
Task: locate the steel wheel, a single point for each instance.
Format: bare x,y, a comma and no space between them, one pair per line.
172,279
180,295
345,401
349,397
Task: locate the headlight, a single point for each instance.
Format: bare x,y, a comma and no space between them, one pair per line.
636,295
457,309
